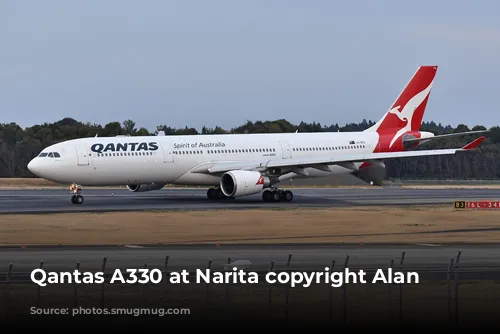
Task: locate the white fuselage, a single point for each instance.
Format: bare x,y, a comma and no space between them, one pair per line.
122,160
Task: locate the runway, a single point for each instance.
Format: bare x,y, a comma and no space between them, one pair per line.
103,200
475,261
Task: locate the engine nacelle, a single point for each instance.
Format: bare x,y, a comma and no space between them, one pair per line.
373,173
243,183
409,141
140,188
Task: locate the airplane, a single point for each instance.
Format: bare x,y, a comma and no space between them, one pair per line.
236,165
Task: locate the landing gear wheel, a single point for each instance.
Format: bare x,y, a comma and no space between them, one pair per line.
211,193
277,195
77,199
288,195
216,194
267,196
219,194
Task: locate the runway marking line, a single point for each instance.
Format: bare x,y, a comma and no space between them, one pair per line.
429,245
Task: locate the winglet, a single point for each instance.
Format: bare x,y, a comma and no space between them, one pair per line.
474,144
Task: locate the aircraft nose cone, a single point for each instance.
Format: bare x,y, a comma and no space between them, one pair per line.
34,166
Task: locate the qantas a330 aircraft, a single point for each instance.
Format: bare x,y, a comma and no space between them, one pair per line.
244,164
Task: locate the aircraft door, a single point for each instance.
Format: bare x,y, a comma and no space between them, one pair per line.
168,155
285,149
82,155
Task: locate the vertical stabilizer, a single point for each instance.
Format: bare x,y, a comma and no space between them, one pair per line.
407,112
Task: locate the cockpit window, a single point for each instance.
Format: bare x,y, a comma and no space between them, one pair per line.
49,155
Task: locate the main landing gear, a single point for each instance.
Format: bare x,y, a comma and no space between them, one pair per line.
76,190
269,195
277,195
216,194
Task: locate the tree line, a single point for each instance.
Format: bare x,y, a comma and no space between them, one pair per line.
18,146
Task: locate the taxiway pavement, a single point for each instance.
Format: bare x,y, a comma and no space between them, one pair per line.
478,261
102,200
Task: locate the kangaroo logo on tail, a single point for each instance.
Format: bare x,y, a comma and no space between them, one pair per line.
407,111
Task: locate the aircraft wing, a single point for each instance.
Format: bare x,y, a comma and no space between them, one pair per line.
425,140
323,162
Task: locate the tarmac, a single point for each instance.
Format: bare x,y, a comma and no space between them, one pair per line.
107,200
478,261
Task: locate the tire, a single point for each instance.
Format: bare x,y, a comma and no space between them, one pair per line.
275,196
266,196
219,194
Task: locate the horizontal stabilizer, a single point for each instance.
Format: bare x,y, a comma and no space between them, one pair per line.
425,140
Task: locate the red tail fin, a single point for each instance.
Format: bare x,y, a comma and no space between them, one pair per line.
407,111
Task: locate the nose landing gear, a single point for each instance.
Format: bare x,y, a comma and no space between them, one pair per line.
76,190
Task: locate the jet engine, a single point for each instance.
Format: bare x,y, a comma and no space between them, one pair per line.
242,183
374,173
140,188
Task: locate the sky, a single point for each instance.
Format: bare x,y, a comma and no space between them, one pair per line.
208,63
